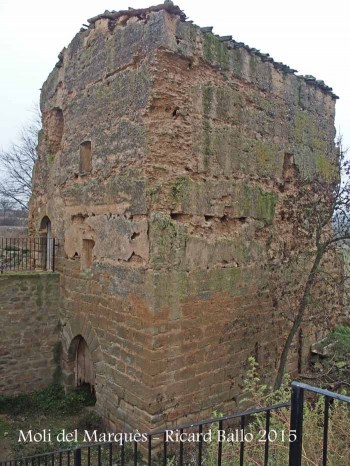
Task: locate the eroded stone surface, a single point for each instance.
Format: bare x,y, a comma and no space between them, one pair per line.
189,139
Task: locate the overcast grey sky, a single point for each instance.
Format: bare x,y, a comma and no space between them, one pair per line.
310,36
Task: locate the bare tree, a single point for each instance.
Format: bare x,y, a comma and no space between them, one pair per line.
17,163
308,282
5,205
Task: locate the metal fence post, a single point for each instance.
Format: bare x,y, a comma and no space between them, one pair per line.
77,457
296,426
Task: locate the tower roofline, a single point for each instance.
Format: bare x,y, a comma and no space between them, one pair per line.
140,12
172,9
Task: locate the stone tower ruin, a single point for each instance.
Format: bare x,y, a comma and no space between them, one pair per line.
161,159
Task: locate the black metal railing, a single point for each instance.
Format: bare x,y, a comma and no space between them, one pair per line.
156,449
27,254
297,414
233,425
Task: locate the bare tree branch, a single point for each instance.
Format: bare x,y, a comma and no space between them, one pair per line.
318,210
17,164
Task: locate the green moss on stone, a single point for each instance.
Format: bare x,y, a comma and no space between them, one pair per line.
222,54
266,157
257,203
161,221
238,61
50,158
215,51
153,191
192,34
302,126
207,47
168,239
180,188
208,93
253,64
266,204
325,167
311,156
173,287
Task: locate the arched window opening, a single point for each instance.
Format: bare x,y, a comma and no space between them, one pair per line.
85,372
54,126
85,158
45,249
80,369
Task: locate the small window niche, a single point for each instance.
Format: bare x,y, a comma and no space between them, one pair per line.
53,129
86,254
85,158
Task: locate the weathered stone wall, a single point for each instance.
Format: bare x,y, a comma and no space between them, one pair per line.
191,139
102,89
29,331
223,126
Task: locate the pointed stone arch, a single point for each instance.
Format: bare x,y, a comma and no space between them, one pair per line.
84,370
75,331
45,247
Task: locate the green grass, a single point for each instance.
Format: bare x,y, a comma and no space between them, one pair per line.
341,337
339,341
51,400
49,409
3,427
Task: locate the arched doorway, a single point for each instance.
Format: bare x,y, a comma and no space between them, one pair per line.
46,243
84,370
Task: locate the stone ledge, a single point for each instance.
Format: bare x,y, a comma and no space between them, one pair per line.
24,274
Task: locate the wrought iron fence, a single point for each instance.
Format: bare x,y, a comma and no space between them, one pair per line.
296,419
27,254
159,450
213,449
